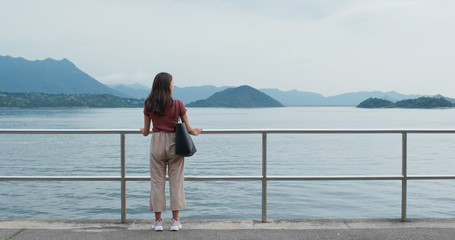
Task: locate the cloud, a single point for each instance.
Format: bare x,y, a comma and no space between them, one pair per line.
136,77
328,47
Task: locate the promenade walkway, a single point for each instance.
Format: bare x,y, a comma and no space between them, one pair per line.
339,229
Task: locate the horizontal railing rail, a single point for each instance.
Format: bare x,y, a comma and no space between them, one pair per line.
264,178
228,131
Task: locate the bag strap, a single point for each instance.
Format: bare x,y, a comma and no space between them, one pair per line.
180,111
175,111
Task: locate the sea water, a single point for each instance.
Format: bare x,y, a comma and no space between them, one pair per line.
231,155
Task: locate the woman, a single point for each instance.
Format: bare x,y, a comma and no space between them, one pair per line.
159,109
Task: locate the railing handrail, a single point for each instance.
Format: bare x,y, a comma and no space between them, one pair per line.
228,131
404,177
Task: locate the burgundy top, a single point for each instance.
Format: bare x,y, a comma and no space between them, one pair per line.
167,121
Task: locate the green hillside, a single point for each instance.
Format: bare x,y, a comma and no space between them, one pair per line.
240,97
376,103
422,102
47,76
39,100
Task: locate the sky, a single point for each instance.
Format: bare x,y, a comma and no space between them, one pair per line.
324,46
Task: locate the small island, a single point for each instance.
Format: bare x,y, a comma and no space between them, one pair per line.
422,102
239,97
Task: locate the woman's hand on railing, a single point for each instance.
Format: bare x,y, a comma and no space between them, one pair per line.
144,132
195,131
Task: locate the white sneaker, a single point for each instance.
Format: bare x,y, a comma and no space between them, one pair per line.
158,225
175,225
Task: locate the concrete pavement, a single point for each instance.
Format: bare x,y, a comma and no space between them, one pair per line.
339,229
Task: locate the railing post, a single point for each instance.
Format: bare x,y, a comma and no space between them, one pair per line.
404,181
123,173
264,177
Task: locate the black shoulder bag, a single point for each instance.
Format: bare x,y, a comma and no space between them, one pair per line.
184,145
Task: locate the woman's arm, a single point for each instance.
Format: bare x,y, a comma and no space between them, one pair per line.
192,131
146,129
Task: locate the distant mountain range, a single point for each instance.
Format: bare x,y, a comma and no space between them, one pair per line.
287,98
48,76
297,98
186,94
56,77
136,90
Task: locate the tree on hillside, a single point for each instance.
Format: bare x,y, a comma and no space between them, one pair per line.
376,103
424,102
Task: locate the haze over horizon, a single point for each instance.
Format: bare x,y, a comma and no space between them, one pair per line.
324,47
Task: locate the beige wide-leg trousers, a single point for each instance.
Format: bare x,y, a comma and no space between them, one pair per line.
162,155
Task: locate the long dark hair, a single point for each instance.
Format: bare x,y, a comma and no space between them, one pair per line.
160,95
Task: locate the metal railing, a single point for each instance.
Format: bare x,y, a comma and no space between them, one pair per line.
404,177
